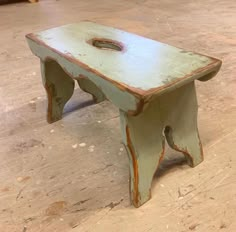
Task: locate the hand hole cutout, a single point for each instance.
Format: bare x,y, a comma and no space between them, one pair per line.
107,44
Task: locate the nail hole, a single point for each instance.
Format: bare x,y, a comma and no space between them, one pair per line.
107,44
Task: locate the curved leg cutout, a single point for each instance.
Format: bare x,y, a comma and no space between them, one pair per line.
88,86
191,149
144,138
59,87
182,132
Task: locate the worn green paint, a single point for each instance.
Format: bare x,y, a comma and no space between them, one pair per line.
88,86
150,82
59,87
142,59
143,68
176,114
122,99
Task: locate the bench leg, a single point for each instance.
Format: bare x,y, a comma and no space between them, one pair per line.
88,86
144,142
181,131
176,113
59,87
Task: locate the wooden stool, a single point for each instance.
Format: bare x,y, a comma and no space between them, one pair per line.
150,82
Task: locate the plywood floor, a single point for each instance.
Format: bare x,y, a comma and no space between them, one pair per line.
73,175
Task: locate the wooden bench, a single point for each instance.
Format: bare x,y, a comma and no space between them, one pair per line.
150,82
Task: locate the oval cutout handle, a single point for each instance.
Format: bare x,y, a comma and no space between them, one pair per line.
107,44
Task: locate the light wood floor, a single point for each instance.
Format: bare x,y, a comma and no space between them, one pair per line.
73,175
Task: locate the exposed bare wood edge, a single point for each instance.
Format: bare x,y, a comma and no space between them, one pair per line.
49,109
140,93
215,65
95,99
143,97
211,74
135,192
48,58
140,104
169,138
50,117
70,58
49,97
139,108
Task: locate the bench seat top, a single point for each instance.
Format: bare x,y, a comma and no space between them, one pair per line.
139,65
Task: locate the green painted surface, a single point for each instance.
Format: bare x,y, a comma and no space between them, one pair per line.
122,99
59,87
174,112
144,66
150,82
